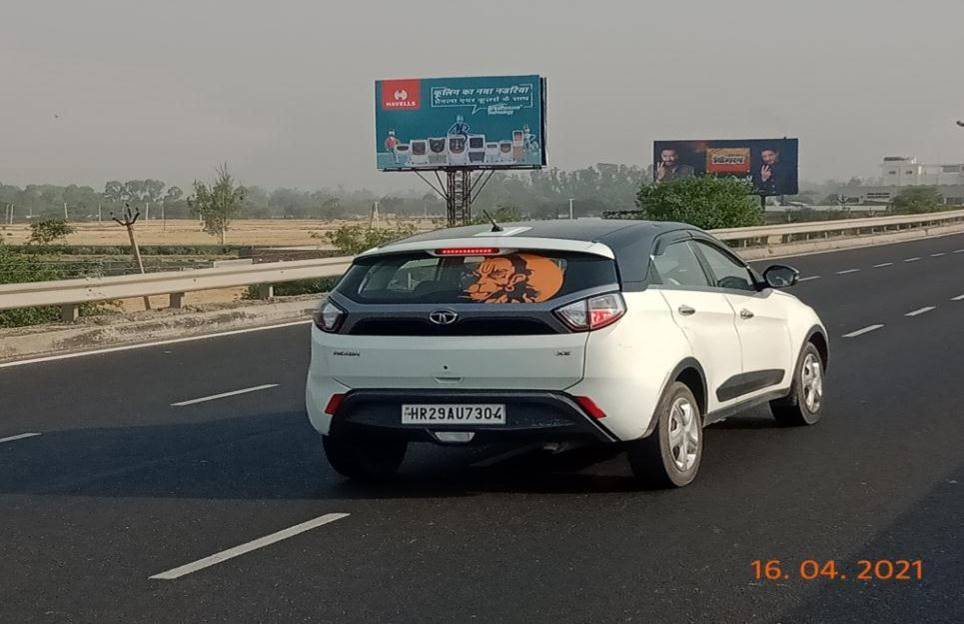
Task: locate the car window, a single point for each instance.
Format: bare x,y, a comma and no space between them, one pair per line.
519,277
727,272
677,265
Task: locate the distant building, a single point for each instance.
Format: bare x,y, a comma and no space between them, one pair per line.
953,194
905,171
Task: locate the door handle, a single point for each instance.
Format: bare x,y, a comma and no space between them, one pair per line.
685,310
746,314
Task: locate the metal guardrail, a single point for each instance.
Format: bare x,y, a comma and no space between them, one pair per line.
70,293
766,235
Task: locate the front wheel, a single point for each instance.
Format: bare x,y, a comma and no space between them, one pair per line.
670,456
805,404
364,458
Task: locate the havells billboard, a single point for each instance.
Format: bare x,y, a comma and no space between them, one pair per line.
492,122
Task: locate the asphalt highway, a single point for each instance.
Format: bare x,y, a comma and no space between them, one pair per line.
122,485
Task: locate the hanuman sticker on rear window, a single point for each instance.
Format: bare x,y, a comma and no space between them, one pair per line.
515,278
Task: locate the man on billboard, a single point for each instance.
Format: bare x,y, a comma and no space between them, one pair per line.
669,167
772,176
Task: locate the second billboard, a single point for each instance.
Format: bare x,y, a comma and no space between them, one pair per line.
494,122
770,164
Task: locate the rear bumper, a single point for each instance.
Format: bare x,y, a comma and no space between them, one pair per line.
530,414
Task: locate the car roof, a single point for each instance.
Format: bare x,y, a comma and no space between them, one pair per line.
614,233
631,241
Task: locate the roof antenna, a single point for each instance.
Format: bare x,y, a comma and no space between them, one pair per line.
495,226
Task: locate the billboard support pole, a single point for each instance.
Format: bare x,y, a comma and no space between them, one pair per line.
458,191
432,186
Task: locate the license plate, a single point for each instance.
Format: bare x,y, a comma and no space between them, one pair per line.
454,414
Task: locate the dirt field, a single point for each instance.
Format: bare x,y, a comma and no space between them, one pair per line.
267,232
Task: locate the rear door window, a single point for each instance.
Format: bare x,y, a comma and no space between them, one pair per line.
518,277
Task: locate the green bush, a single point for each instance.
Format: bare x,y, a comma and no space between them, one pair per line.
353,239
46,231
707,202
18,268
917,199
125,250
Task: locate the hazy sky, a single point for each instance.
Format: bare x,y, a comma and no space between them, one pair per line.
92,90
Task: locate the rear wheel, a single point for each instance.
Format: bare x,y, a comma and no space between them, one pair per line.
804,406
670,456
364,458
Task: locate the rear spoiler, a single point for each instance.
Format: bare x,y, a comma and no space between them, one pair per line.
497,242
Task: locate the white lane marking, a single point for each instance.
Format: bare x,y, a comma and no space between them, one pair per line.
958,251
18,437
233,332
865,330
261,542
958,298
845,271
808,278
224,394
914,259
921,310
883,264
937,255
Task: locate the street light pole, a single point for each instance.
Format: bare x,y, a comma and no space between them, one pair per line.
570,209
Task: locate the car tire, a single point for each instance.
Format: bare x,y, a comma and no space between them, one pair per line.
369,459
804,405
671,455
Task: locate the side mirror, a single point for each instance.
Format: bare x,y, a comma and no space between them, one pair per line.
781,276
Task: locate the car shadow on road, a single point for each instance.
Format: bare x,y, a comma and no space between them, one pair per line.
279,456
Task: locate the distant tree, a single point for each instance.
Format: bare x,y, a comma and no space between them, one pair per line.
218,204
173,194
152,191
46,231
707,202
133,191
114,191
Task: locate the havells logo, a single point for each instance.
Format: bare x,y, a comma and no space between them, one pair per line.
401,94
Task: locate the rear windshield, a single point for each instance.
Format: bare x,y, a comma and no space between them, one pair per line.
520,277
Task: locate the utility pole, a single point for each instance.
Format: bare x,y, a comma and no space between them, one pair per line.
66,218
570,209
128,222
98,213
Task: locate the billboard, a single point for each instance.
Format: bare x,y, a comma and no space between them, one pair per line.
770,164
491,122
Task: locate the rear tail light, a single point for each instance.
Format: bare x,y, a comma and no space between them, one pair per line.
328,317
592,313
333,404
590,407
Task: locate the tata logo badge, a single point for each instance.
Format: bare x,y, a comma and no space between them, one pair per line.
443,317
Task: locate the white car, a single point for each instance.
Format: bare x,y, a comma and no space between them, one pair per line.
619,332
